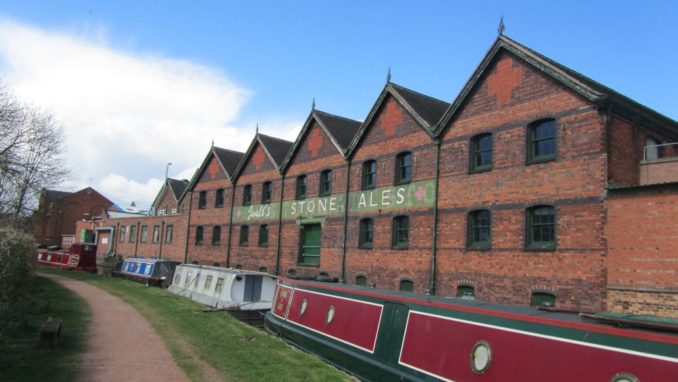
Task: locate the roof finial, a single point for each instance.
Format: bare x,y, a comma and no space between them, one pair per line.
313,105
501,27
212,142
388,75
257,128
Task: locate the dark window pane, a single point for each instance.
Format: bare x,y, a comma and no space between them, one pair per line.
406,286
401,227
543,140
479,229
263,235
326,182
244,235
403,167
202,199
541,227
369,174
216,235
481,151
219,200
267,192
301,187
366,233
247,195
361,280
199,235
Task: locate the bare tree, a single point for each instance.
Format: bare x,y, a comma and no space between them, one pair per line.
31,144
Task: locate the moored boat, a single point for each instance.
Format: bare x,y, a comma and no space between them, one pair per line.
383,335
148,270
224,288
79,256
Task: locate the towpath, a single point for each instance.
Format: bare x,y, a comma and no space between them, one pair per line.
121,344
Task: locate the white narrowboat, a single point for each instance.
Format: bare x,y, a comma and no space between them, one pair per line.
224,288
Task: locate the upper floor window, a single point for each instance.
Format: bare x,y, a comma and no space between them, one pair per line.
541,227
132,233
369,179
266,192
219,200
156,233
406,286
169,232
202,199
651,149
403,170
401,229
123,232
244,235
247,195
216,235
481,152
144,234
542,140
326,182
199,234
366,233
263,235
479,229
301,187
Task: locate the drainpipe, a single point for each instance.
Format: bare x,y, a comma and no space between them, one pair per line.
434,245
230,228
115,239
277,255
136,238
343,250
188,228
162,228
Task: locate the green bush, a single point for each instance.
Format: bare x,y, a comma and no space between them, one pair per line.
17,253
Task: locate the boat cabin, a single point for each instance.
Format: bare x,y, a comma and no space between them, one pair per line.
79,256
149,270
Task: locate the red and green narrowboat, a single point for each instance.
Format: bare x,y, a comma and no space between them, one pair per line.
79,256
383,336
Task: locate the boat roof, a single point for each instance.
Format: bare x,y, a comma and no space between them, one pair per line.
226,270
147,260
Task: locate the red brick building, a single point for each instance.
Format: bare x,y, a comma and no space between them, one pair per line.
167,200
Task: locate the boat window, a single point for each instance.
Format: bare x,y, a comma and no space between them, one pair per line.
208,282
303,306
220,285
330,315
481,357
624,377
149,268
188,279
177,278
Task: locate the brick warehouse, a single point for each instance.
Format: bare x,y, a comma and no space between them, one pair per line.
505,195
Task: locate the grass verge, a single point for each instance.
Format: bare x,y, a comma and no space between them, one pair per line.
21,356
234,350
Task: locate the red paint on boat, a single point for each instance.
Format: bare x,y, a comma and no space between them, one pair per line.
79,257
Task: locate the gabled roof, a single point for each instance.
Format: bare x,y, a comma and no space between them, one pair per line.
340,130
177,186
276,150
220,153
55,195
577,82
423,109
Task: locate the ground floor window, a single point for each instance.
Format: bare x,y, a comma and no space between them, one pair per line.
466,292
361,280
543,299
406,286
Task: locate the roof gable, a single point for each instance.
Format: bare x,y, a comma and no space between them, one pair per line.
339,130
275,151
583,86
217,153
425,110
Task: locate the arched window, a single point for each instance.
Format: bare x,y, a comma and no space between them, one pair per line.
326,182
541,227
406,286
301,187
403,170
479,229
369,176
361,280
543,299
401,232
481,152
542,140
366,233
466,292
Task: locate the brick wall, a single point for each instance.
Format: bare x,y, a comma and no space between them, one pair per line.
134,246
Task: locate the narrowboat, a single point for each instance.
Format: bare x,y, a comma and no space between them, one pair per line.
382,335
224,288
79,256
148,270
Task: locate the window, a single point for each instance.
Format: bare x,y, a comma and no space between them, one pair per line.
479,229
481,152
369,179
403,170
361,280
156,234
132,233
220,285
543,299
263,269
247,195
406,286
161,212
199,233
174,211
169,232
216,235
202,200
263,235
266,192
123,232
401,228
651,149
466,292
219,199
244,235
326,182
208,282
144,233
301,187
542,141
366,233
541,227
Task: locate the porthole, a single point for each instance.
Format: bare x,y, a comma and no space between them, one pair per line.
624,377
481,357
303,306
330,315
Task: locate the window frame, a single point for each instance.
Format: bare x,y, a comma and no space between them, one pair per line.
301,187
219,198
403,282
542,295
156,234
325,184
215,229
122,236
263,228
471,219
368,177
143,233
199,235
532,245
169,233
400,164
202,200
531,141
363,226
361,283
132,233
397,228
476,152
465,287
266,192
244,238
247,195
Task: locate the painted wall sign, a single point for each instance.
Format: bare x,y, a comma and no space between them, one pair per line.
256,212
412,195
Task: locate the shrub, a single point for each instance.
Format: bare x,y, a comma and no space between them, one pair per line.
17,252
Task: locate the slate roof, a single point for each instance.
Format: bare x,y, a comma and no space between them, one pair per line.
341,129
177,186
229,159
277,148
430,109
56,195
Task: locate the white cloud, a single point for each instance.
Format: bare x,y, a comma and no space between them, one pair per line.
122,112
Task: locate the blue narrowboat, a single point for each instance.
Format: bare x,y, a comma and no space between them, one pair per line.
148,270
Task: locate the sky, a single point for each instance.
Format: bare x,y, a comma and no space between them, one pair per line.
139,84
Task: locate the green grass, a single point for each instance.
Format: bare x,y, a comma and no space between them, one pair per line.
235,350
21,356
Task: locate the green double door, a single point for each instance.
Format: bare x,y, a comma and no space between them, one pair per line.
310,244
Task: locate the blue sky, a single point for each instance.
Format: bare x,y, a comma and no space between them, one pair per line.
270,59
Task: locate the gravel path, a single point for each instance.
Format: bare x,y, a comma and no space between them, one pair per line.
121,345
